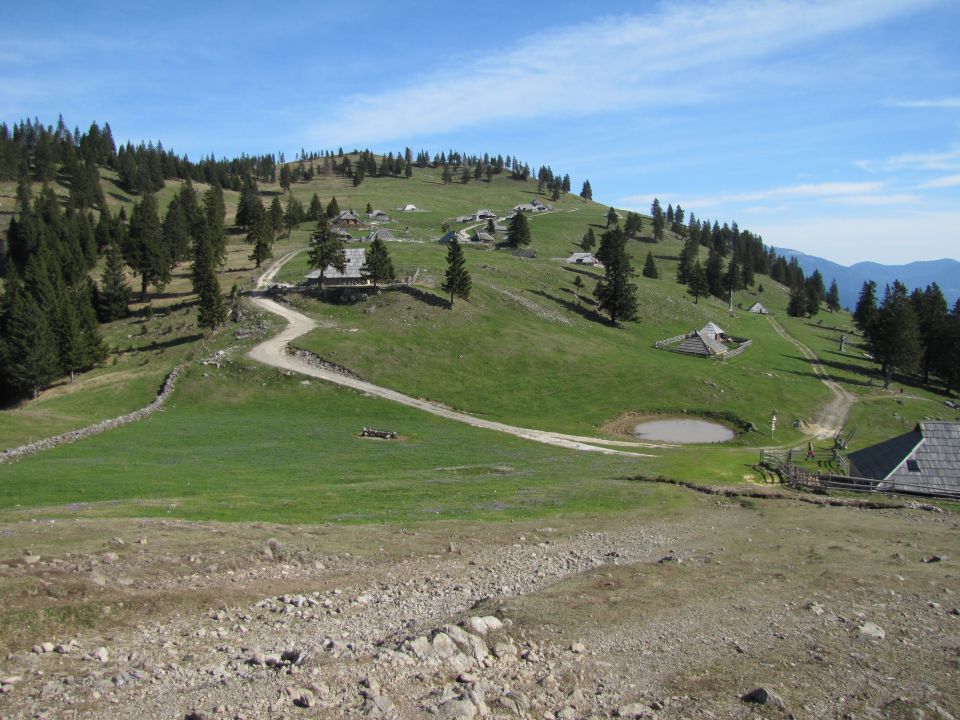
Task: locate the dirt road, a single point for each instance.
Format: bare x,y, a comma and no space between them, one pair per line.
274,352
831,417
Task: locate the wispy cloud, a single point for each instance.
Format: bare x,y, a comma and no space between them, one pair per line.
852,193
616,63
934,103
941,182
937,160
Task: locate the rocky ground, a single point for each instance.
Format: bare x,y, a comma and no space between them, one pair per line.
806,611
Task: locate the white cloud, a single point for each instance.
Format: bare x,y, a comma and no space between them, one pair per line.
937,160
617,63
859,193
941,182
935,103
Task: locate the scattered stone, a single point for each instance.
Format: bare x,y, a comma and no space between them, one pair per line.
101,654
869,629
763,696
634,710
933,559
453,709
578,648
304,698
816,608
195,715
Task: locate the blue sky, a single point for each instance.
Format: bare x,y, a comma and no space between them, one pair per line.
831,127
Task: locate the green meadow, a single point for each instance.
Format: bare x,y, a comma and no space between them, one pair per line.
245,442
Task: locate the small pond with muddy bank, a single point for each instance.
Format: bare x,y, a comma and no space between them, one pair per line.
680,429
683,431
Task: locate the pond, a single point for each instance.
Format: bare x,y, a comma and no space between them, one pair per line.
683,431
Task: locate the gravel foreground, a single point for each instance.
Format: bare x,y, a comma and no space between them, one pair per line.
722,610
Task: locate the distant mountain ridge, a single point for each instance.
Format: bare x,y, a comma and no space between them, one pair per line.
919,274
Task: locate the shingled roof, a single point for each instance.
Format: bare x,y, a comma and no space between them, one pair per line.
700,343
926,460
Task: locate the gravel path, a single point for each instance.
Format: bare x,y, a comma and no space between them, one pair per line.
274,352
831,417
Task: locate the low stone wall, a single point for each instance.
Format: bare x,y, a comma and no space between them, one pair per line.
16,453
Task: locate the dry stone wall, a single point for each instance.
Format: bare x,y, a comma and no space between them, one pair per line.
16,453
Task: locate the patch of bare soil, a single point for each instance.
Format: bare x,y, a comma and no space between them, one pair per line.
833,611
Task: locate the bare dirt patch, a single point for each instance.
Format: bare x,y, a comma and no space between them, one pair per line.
675,612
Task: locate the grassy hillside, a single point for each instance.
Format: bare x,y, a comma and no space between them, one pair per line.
245,442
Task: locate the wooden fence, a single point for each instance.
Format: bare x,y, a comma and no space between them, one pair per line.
781,461
661,344
733,353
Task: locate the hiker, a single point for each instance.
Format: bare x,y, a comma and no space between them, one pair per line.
810,453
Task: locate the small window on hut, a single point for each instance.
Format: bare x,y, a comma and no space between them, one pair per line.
913,466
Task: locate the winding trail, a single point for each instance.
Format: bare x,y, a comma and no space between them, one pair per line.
831,417
274,352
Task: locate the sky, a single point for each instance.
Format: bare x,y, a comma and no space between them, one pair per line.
827,126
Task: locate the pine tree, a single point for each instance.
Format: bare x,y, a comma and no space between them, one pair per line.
658,221
697,284
615,294
261,235
589,241
333,208
688,256
275,216
650,267
714,272
147,253
577,286
518,232
30,346
315,210
211,312
458,282
930,308
326,249
378,266
893,336
114,291
866,309
833,297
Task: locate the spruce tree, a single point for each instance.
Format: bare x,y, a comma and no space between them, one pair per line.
650,267
866,309
930,308
697,283
518,232
378,266
114,293
147,253
615,294
587,192
714,272
326,249
275,216
211,312
612,217
458,282
589,241
261,235
333,208
316,208
833,297
31,361
893,336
